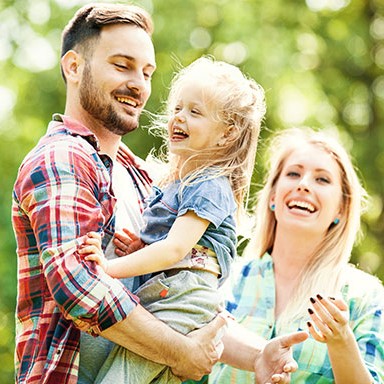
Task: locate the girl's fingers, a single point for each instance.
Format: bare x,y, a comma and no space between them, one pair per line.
94,242
94,235
89,249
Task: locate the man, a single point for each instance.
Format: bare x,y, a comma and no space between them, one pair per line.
64,190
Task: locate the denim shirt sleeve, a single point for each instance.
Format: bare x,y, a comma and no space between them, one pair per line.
210,199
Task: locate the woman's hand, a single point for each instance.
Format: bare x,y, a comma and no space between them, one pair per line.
126,242
330,316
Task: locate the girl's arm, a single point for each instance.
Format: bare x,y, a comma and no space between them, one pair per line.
182,237
332,321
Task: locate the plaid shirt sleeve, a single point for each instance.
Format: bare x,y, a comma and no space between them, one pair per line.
64,193
366,303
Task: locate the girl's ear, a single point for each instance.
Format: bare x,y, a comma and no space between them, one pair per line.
227,133
72,65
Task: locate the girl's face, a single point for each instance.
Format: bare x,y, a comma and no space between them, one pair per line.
192,127
308,191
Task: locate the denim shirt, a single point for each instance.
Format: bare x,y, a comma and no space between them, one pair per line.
211,199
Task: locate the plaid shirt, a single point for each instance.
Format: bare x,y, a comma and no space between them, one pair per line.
254,307
63,191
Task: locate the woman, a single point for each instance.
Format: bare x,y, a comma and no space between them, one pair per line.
299,277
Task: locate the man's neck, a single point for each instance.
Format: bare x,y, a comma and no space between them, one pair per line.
109,142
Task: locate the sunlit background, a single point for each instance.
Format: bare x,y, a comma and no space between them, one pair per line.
321,63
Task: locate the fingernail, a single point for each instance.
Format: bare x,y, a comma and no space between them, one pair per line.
309,324
332,298
319,297
313,301
310,311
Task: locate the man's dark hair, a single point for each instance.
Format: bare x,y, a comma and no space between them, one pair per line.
84,28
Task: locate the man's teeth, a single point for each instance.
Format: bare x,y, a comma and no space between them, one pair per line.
128,101
302,205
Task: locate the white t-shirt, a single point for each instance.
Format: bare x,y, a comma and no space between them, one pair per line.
94,351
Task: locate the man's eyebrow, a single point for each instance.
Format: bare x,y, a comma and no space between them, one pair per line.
130,58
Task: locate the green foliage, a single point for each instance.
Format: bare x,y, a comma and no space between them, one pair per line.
320,62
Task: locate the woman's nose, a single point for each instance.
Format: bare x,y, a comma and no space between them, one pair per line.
303,184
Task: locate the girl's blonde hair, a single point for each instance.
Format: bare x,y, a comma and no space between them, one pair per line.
323,273
238,104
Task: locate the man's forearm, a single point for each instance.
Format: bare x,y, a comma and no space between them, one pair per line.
148,337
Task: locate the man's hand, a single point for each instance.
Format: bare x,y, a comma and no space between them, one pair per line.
204,350
276,363
126,242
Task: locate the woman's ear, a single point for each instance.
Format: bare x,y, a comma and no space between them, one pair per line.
71,65
272,205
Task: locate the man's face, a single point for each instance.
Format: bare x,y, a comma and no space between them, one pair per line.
116,80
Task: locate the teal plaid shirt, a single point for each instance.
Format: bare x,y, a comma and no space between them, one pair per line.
253,305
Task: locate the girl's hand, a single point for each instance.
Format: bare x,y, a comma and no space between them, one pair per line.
92,250
126,242
330,316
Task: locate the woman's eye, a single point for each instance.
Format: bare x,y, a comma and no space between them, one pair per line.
121,66
293,174
195,111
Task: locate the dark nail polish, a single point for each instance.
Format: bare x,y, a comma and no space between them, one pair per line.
319,297
309,324
310,311
313,301
332,298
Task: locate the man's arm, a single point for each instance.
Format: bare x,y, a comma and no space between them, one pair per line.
189,356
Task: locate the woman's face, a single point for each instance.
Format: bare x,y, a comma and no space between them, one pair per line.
308,192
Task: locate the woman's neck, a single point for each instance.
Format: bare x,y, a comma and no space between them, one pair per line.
290,254
292,251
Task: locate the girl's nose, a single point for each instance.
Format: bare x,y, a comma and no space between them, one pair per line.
180,118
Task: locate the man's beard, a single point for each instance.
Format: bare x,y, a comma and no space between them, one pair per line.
93,101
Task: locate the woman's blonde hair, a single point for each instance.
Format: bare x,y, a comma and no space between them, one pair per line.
239,105
324,269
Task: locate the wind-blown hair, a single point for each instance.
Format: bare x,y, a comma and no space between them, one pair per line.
324,270
236,102
83,30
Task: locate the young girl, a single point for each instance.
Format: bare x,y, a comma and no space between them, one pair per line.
214,114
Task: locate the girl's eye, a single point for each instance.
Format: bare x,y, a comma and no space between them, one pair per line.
148,76
121,66
293,174
177,108
195,111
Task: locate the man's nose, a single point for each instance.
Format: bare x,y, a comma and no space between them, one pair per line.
136,82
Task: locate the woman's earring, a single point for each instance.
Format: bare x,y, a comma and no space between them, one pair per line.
272,207
336,221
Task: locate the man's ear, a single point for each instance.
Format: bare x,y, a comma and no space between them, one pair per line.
71,65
